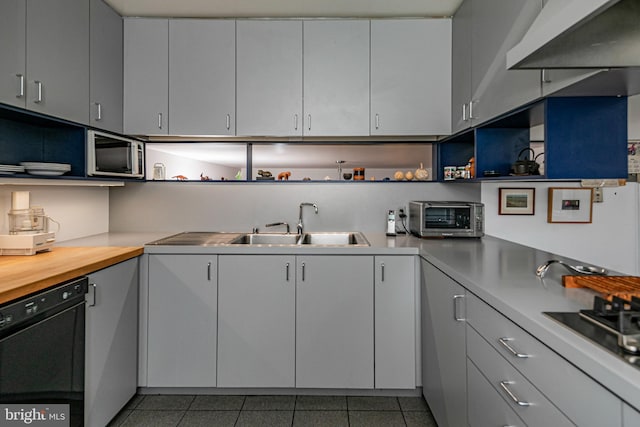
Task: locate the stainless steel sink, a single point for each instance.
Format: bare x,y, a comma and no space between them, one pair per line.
196,238
266,239
335,239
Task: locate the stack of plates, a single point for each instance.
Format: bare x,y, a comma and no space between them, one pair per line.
10,169
50,169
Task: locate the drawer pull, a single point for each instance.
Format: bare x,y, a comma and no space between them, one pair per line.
456,316
516,400
505,343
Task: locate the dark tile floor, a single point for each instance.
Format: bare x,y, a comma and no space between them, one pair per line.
267,411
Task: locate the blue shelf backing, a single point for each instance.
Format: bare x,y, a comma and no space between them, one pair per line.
586,137
498,148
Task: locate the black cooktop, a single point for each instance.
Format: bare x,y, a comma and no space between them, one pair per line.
595,333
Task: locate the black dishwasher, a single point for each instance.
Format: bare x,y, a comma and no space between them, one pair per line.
42,353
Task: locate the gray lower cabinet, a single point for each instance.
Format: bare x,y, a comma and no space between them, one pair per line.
269,78
336,77
106,59
522,369
256,321
481,396
411,77
630,416
111,342
202,77
395,320
444,380
334,321
146,76
181,323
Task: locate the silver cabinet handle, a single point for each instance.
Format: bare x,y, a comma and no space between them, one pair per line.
382,272
228,121
377,121
91,294
471,109
516,400
544,76
159,120
98,111
295,122
456,317
464,113
39,96
21,88
303,269
287,271
209,271
505,343
309,121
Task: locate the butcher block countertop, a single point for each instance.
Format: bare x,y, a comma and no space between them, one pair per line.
22,275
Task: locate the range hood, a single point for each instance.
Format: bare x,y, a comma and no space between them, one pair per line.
581,34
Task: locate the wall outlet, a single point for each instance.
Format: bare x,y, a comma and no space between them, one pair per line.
598,196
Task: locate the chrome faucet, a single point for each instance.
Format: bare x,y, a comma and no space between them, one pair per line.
579,269
275,224
300,225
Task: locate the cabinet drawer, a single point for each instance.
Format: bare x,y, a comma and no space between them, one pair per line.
480,396
521,396
582,399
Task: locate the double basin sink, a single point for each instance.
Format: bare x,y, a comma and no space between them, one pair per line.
273,239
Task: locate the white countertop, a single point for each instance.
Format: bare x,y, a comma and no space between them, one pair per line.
499,272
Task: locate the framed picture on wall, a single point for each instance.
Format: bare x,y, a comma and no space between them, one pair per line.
570,205
517,201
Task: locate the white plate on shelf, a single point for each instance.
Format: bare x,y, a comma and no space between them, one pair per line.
46,166
11,168
45,172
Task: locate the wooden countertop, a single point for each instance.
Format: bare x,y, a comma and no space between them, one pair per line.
22,275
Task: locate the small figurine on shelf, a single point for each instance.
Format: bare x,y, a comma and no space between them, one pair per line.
180,177
284,176
204,177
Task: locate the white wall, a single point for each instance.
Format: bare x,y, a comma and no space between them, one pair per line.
610,241
81,211
193,206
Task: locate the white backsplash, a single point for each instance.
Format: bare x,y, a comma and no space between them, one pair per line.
81,211
189,206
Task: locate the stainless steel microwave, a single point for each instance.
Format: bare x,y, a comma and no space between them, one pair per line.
446,219
114,156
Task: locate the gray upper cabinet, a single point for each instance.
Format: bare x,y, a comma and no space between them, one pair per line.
494,89
555,80
146,76
106,68
269,78
13,15
202,77
461,67
58,58
411,77
336,78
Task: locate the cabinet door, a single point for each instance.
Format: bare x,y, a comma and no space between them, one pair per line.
146,76
336,78
13,52
556,80
111,340
443,347
630,416
497,90
461,67
106,68
202,78
256,321
182,321
410,77
58,58
395,307
334,322
269,78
